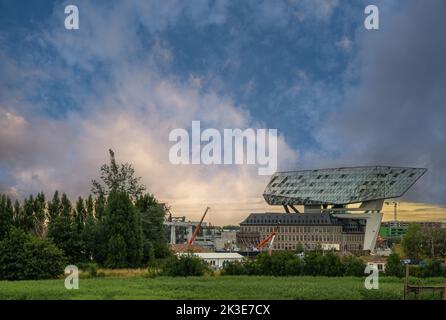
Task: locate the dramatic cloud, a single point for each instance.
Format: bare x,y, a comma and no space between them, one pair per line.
395,113
68,96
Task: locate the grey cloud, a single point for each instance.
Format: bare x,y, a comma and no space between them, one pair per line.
396,114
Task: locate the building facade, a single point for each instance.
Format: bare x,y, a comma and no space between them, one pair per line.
307,230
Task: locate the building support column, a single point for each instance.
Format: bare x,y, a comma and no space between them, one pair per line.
172,234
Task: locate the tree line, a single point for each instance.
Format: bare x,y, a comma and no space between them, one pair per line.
119,225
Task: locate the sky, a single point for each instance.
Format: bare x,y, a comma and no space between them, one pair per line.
338,94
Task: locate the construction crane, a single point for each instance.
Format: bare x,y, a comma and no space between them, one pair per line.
395,205
198,227
270,238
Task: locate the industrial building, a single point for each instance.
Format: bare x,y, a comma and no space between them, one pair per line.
395,229
341,207
216,260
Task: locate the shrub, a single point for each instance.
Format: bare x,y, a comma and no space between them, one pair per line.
234,268
314,263
432,268
331,265
25,257
353,266
185,266
92,269
394,266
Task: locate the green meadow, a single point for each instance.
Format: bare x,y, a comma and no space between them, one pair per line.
211,287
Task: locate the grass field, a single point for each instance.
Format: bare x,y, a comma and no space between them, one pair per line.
219,287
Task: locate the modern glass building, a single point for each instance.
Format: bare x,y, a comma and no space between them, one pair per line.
334,192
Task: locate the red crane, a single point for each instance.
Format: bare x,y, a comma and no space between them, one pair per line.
198,227
269,238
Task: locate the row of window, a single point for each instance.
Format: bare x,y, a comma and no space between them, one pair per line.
323,238
295,229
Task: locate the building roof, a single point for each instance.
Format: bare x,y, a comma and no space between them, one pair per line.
340,186
185,247
217,255
290,218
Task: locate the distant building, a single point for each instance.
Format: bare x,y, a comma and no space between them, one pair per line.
307,229
327,219
226,240
216,260
395,229
378,262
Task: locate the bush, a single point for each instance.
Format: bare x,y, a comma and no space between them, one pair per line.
24,257
432,268
353,266
331,265
394,266
234,268
91,268
314,263
185,266
285,263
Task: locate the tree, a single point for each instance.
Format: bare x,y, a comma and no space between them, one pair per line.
62,231
39,215
117,178
152,217
26,257
99,250
412,242
88,233
6,215
123,232
185,266
353,266
394,266
54,206
24,217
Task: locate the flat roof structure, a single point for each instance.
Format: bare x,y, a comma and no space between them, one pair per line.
340,186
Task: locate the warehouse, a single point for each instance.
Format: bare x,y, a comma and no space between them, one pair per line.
216,260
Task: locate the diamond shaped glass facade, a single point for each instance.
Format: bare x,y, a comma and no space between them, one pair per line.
340,186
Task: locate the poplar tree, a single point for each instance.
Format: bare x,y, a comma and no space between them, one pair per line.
39,215
88,234
54,207
152,217
61,230
6,215
123,231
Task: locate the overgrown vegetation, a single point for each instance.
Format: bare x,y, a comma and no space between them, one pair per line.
118,227
418,243
24,256
186,265
314,263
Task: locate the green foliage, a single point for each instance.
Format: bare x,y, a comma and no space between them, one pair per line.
353,266
285,263
432,268
235,268
412,242
185,266
23,256
123,231
394,266
420,243
152,217
118,178
91,268
6,215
